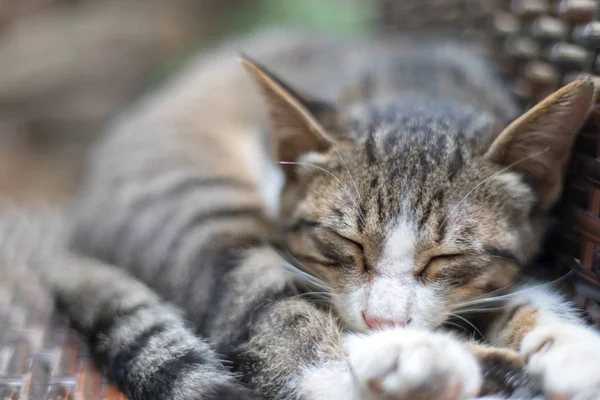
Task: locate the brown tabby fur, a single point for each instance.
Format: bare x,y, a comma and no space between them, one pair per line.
399,182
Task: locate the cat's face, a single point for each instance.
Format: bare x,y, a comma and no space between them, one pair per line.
406,211
405,234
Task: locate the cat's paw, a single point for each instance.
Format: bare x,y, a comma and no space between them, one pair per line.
412,364
565,359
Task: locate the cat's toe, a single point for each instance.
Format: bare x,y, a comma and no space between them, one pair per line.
565,360
411,364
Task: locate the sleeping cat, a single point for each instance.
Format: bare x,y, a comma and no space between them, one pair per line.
404,205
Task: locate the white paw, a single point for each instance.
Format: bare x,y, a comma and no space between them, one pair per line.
566,360
412,364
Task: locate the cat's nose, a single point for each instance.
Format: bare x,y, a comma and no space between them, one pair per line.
379,323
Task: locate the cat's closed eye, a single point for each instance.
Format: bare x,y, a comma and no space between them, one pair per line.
348,252
423,273
339,249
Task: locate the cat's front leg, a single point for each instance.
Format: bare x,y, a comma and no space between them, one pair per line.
559,350
398,364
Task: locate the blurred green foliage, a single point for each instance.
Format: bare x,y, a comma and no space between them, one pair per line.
344,17
339,16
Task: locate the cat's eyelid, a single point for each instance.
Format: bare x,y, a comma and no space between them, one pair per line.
309,223
359,245
345,237
315,224
501,253
447,255
490,251
303,223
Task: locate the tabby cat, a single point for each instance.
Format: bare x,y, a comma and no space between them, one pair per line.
405,209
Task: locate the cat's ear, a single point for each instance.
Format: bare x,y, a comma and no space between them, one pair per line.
300,124
538,144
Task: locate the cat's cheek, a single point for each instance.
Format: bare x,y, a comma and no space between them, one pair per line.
430,308
350,306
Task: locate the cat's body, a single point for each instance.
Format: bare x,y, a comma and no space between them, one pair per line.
402,216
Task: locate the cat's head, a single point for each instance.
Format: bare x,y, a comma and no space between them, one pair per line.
406,210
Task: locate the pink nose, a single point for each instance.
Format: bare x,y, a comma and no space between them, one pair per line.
378,323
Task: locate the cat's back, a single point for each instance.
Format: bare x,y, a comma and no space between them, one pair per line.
215,91
432,71
214,104
343,70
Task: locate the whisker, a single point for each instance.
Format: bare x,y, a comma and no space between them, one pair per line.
503,288
482,310
483,297
512,294
456,326
468,322
487,179
299,265
302,272
313,294
484,301
305,277
360,213
328,172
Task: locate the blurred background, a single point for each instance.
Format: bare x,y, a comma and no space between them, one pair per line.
67,67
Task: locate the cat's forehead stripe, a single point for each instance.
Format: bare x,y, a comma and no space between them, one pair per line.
398,253
370,149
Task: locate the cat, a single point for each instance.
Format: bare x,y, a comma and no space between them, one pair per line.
403,203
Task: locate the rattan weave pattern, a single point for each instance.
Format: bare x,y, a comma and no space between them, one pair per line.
40,357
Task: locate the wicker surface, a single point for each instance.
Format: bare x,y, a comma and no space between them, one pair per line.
457,16
541,45
40,358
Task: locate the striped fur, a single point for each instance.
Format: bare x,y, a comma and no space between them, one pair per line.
189,219
149,348
177,194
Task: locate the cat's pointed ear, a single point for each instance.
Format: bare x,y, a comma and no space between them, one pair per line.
300,124
538,144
